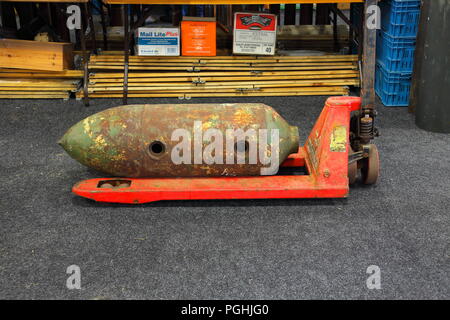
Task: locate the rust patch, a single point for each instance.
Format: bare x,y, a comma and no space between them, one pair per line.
243,118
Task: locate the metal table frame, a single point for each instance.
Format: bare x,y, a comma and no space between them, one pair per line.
367,39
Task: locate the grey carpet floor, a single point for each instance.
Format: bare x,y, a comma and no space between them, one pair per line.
287,249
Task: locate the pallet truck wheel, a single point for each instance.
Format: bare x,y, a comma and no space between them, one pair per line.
352,169
371,166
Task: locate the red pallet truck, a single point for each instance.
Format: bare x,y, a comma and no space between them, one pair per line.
338,147
328,158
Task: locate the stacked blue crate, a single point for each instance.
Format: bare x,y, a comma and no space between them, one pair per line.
396,42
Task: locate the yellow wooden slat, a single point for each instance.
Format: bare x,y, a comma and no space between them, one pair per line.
218,89
227,58
314,67
23,73
119,75
46,93
34,96
218,85
177,81
37,83
330,92
180,66
36,90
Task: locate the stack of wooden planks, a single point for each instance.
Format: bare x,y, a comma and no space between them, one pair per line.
222,76
33,84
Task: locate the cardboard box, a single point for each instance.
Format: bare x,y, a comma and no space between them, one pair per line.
157,41
254,33
36,55
198,36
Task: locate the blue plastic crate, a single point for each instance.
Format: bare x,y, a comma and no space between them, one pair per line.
392,88
400,18
395,54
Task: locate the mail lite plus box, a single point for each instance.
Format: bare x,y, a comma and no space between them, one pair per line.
198,36
254,33
158,41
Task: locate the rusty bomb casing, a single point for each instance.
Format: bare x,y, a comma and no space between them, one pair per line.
141,140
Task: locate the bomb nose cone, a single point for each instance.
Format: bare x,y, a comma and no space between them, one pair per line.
77,142
102,141
62,142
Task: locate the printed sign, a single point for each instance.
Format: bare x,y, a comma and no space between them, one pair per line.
254,33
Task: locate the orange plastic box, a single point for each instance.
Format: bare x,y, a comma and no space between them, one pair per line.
198,36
